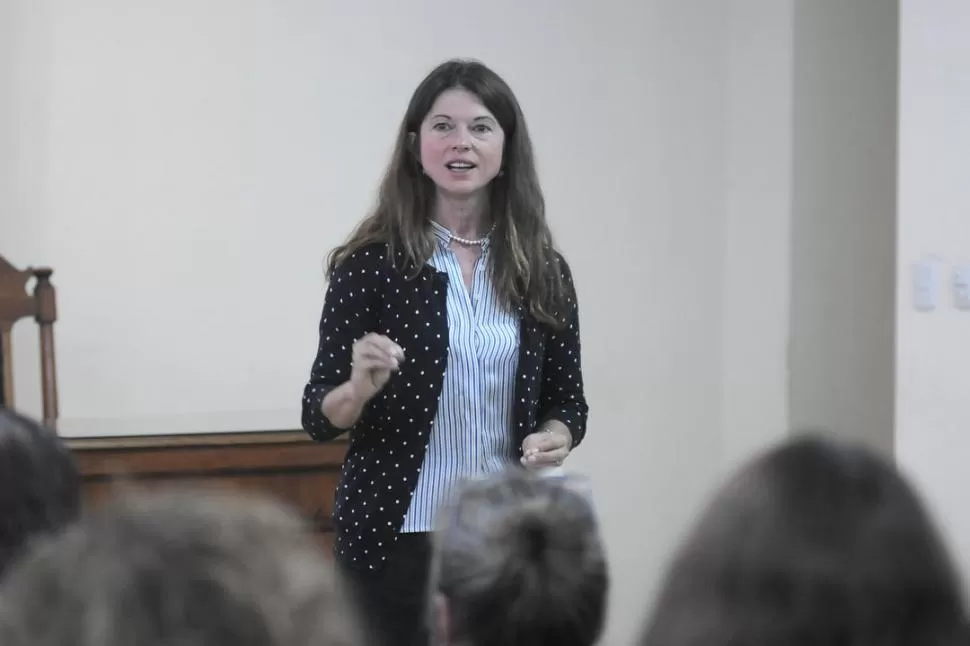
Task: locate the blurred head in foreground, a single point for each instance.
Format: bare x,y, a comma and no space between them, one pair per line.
813,542
40,487
190,568
518,561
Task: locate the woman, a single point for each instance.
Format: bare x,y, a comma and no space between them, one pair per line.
813,543
449,339
518,561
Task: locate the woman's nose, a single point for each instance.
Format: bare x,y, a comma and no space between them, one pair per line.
462,140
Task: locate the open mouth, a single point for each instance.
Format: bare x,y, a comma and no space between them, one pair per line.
459,166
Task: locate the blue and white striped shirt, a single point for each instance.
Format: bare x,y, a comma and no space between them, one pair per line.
472,430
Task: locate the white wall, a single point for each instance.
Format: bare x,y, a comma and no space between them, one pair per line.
719,173
185,166
758,212
810,269
843,218
7,117
933,348
19,172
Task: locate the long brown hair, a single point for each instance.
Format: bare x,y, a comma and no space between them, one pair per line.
524,263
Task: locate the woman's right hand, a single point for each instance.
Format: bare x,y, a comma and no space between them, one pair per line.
374,358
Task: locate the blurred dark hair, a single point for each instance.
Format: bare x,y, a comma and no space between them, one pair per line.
186,567
519,559
40,486
525,265
815,542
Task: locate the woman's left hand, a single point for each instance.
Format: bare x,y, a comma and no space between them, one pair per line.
548,447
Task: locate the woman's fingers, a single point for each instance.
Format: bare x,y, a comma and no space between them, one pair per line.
391,348
378,353
544,448
553,457
369,363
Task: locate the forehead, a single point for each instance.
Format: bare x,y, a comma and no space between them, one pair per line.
459,104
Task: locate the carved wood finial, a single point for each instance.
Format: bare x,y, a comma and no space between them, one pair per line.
12,280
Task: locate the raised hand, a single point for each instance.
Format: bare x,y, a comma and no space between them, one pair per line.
375,357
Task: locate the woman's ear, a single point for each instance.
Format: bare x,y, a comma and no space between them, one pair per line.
441,618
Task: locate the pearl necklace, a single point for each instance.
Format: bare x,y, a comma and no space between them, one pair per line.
471,243
466,241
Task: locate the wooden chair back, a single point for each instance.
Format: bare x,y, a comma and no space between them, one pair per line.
17,303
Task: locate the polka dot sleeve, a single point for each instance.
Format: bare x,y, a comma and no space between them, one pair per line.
351,309
561,396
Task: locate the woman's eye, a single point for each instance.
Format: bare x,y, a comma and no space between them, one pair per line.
481,127
440,127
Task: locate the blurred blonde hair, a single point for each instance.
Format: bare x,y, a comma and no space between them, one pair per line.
186,567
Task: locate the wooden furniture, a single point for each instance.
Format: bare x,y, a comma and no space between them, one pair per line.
285,464
15,304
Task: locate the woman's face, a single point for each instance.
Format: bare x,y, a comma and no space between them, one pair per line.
461,143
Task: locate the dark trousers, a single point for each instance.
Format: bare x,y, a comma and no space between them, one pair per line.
393,599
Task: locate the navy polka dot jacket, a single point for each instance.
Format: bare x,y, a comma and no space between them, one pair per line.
366,294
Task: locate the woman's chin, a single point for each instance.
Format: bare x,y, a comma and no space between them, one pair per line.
460,189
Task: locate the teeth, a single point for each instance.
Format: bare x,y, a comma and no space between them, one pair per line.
460,165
